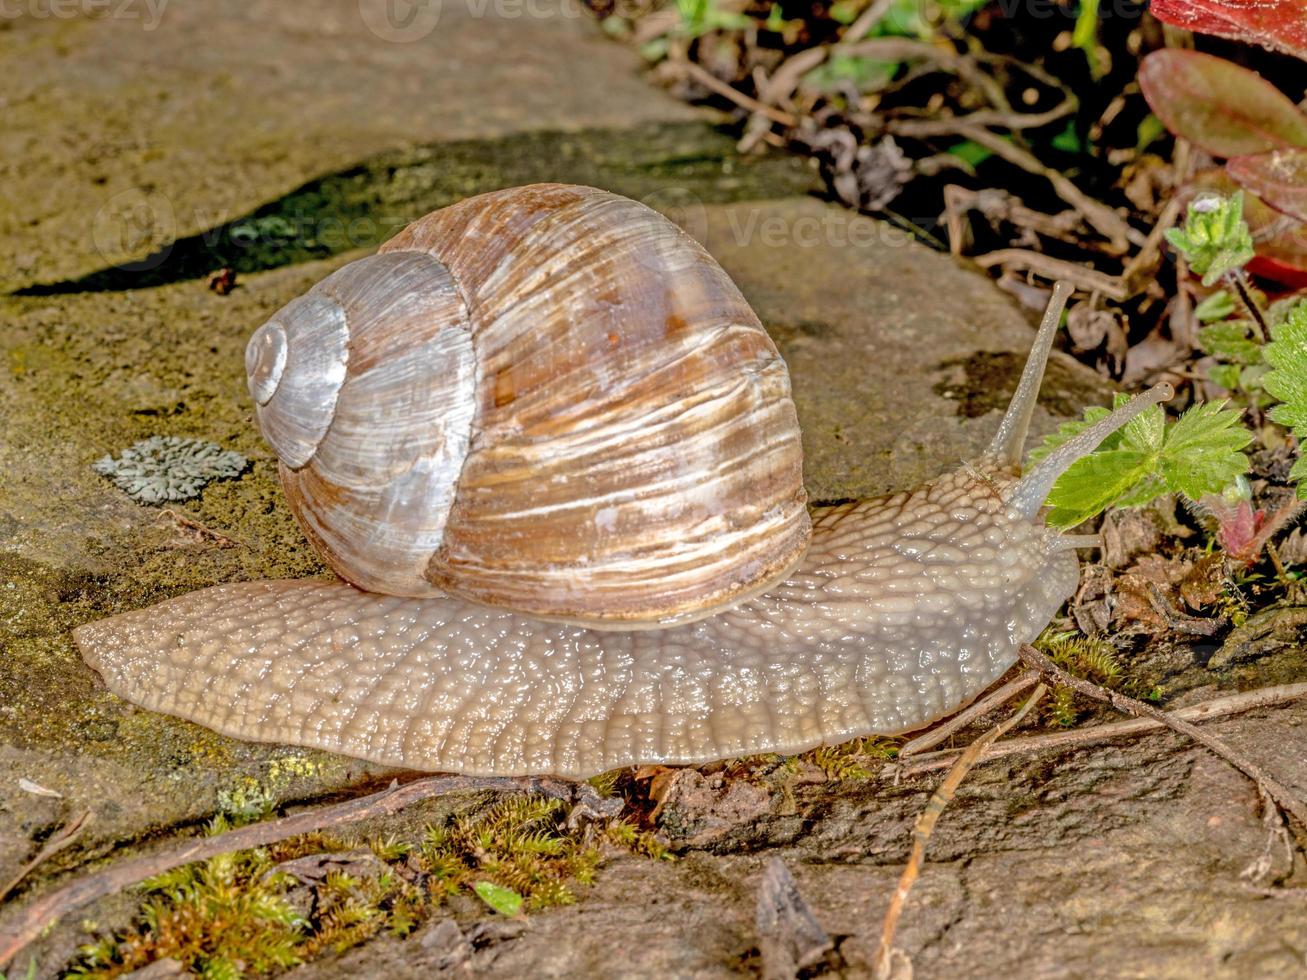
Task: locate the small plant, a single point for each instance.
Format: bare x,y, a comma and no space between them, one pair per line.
848,759
1197,454
1237,116
1092,658
1215,238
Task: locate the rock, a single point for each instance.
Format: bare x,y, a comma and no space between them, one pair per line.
443,941
239,107
790,939
1266,632
1121,859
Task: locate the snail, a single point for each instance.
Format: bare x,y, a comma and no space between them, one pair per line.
553,456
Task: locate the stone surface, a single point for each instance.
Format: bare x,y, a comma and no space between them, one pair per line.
151,120
1116,861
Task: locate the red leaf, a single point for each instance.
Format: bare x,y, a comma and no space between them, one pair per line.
1279,178
1227,110
1278,24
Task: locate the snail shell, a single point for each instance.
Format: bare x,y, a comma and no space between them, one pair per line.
547,398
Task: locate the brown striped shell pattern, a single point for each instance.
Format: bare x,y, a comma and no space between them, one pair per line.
547,398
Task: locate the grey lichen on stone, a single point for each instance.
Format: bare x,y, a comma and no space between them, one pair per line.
164,468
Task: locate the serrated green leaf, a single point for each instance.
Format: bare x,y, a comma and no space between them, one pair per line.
1094,483
1202,450
1145,432
1068,429
1197,454
503,900
1299,471
1225,375
1230,339
1287,382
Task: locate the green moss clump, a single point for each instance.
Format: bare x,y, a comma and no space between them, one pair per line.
848,760
1092,658
245,914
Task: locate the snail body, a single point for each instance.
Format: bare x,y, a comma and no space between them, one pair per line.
683,610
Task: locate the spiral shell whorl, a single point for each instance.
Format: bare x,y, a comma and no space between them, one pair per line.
372,426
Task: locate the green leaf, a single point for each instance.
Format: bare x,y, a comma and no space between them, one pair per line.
1149,129
1218,306
1225,376
970,152
1299,471
503,900
1197,454
1202,451
1068,429
1068,141
1145,432
1287,379
1094,483
1230,340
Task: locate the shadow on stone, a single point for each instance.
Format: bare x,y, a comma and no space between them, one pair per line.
671,167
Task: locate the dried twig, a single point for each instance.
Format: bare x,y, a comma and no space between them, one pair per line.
1015,121
715,84
1216,708
777,90
1271,786
60,839
1090,280
926,825
1277,838
969,714
47,909
1000,205
1110,224
198,530
868,19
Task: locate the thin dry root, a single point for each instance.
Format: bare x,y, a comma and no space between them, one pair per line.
887,956
1273,788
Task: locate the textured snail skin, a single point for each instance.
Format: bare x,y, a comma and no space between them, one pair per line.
905,608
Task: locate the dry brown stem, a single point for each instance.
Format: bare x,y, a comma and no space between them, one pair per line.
969,714
1217,708
926,826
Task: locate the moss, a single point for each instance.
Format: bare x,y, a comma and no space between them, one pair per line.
849,760
249,796
1093,658
250,912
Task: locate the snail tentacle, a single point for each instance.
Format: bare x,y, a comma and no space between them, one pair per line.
1028,494
1010,439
